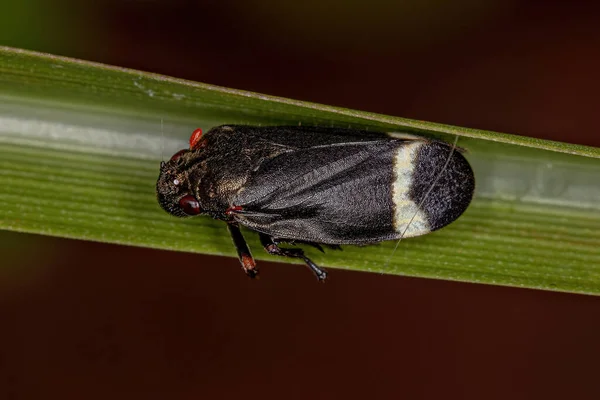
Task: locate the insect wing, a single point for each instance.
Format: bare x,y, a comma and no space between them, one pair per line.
327,194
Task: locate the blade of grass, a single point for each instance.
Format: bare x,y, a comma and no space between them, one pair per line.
80,145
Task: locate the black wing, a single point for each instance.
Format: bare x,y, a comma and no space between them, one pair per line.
336,192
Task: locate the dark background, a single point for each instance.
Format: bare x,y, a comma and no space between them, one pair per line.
95,321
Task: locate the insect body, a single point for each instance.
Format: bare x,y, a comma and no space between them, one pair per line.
315,185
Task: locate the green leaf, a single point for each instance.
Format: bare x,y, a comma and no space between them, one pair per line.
80,146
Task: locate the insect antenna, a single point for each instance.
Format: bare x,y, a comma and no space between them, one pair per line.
437,178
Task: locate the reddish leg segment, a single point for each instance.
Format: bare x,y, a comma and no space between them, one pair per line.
246,259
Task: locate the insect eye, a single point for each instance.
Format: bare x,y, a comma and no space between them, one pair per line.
177,155
189,205
195,139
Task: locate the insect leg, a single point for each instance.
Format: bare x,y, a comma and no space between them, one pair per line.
246,259
272,248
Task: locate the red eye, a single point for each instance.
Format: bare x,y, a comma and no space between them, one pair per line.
195,139
178,154
189,205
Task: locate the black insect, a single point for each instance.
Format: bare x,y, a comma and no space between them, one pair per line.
315,185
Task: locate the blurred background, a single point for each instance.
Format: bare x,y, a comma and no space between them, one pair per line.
89,320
